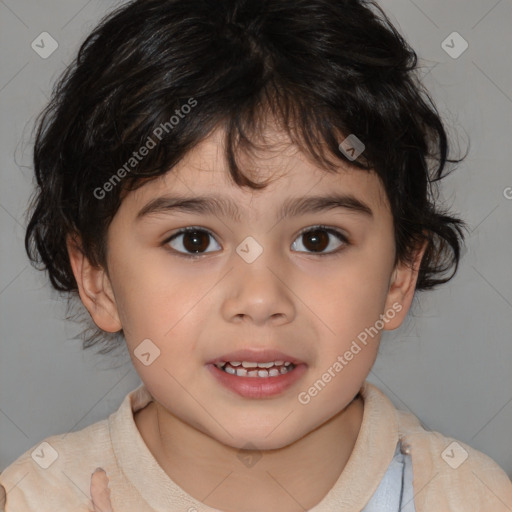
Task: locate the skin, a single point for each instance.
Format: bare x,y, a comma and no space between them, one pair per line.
310,305
2,498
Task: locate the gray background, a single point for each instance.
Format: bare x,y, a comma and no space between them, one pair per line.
449,363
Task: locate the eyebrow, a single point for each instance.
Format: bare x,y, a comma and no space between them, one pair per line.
221,206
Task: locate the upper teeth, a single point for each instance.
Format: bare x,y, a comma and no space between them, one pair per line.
253,364
254,369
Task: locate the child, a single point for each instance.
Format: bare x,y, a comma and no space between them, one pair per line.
293,140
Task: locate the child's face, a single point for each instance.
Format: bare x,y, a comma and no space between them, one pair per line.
309,306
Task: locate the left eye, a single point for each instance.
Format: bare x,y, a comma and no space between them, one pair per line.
317,239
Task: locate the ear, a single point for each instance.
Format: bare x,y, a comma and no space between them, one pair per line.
401,288
94,288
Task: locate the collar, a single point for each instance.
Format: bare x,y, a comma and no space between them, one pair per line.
372,453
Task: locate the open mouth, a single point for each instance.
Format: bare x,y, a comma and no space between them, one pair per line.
254,369
257,375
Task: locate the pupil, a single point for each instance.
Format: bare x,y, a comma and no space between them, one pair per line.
319,239
195,237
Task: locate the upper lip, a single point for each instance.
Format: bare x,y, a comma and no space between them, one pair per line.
256,356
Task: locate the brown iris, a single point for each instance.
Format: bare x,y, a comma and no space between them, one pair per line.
318,240
196,241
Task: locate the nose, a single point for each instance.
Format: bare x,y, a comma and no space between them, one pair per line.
259,292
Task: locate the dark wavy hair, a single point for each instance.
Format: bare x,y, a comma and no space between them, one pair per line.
323,69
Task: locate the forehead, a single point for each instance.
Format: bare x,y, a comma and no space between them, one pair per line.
204,172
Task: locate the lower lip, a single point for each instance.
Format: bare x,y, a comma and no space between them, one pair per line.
258,387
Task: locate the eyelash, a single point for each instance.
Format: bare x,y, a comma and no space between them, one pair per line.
338,234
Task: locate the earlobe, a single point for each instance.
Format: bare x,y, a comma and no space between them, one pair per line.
401,288
94,288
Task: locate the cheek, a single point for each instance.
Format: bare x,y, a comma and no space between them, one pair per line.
352,295
163,305
153,293
168,307
349,300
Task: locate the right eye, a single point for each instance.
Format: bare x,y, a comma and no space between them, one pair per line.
191,239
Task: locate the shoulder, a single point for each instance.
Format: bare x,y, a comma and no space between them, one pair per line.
55,473
450,475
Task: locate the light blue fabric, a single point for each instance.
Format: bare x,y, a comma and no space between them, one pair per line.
395,491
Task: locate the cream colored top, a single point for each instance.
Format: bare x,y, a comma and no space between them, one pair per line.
447,477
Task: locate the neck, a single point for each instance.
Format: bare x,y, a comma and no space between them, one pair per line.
290,479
